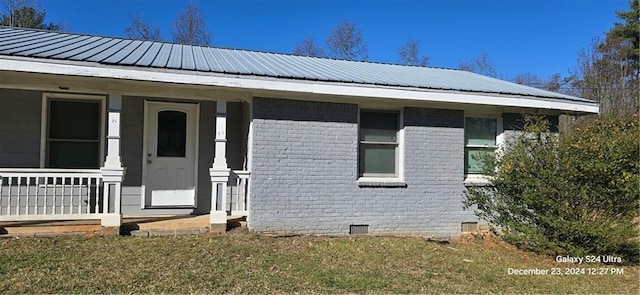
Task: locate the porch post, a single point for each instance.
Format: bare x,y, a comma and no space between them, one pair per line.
113,172
219,171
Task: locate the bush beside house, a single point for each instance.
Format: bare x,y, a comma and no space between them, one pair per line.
573,194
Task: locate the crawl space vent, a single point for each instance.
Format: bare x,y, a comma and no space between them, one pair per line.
358,229
469,227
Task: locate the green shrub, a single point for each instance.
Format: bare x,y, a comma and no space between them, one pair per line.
569,194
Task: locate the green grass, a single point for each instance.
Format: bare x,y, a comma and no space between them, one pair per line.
244,263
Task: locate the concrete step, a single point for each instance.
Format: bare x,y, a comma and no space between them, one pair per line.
177,232
139,226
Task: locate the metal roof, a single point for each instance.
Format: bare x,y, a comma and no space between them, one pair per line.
163,55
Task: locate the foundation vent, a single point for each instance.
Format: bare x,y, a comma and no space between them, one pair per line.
469,227
358,229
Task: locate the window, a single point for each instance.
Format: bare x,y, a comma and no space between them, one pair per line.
172,134
479,140
378,144
73,133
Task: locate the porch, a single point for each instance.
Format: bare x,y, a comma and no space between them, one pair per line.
31,196
118,171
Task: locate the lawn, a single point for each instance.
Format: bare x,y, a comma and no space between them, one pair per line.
240,262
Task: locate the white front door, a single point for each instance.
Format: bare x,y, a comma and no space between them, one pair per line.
171,156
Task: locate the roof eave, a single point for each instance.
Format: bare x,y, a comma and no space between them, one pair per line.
34,65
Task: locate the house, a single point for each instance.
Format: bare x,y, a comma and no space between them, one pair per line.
97,127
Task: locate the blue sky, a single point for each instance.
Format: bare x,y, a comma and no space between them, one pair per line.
537,36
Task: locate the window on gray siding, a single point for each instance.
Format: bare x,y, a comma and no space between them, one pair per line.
73,134
480,141
378,144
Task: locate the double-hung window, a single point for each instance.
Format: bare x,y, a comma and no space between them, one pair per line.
72,133
379,144
480,135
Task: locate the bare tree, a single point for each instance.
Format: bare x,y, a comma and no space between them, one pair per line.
25,14
142,31
409,54
346,42
481,65
528,79
554,83
605,75
190,27
308,47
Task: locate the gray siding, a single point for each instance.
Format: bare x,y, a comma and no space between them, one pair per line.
304,172
237,133
20,115
205,156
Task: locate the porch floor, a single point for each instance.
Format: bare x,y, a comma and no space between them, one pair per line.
133,226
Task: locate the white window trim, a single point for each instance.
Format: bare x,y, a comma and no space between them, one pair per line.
478,178
44,121
381,180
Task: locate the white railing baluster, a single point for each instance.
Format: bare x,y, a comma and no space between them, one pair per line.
238,193
10,195
65,191
44,205
18,197
27,183
89,191
50,194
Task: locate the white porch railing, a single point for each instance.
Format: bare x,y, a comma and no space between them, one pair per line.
53,194
238,193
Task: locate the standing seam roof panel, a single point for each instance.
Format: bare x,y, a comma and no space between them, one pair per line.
212,61
12,34
366,75
321,70
161,59
150,55
188,61
301,67
37,45
83,47
257,63
27,44
8,42
100,57
175,57
123,52
95,49
229,65
9,37
238,64
199,60
277,62
136,54
331,69
349,72
54,48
